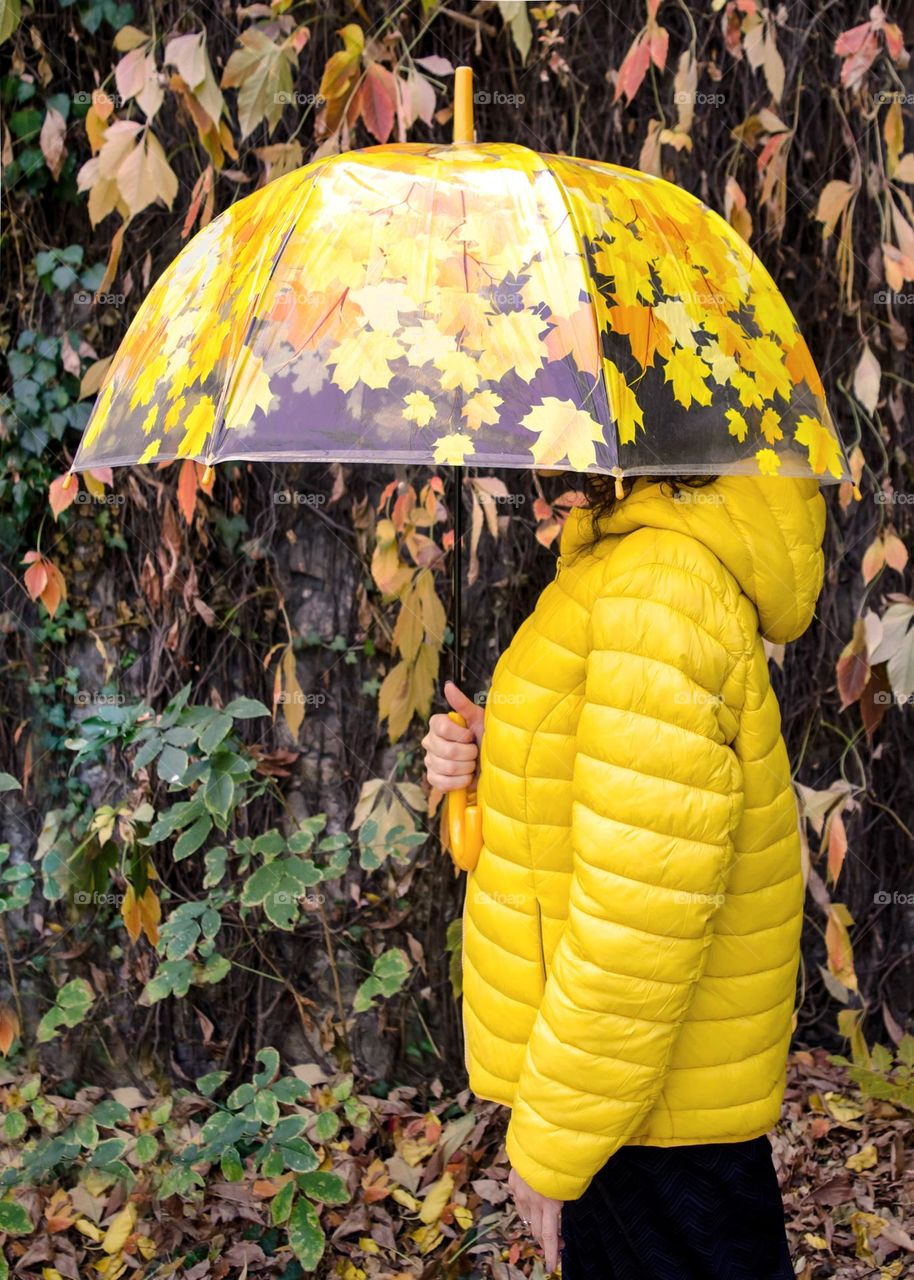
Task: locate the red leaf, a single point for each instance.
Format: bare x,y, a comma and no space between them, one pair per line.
853,669
660,42
633,70
379,101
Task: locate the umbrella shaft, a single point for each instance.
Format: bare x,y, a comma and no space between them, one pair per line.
456,664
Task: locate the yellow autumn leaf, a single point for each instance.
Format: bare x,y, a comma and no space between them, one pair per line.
457,369
687,373
722,366
293,701
865,1158
463,1216
513,342
770,426
452,448
405,1199
737,424
111,1268
249,390
437,1196
364,357
425,342
824,453
151,451
481,409
769,464
623,403
563,431
175,413
765,359
815,1242
427,1237
748,390
420,408
197,426
146,1246
87,1228
120,1229
841,1108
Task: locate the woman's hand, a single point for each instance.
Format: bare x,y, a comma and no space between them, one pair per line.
451,753
542,1215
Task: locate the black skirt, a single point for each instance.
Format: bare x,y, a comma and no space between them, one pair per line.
710,1212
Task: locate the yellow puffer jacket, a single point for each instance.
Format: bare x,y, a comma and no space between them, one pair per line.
631,930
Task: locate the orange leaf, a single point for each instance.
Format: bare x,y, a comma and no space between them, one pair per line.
62,493
187,490
852,669
837,845
9,1028
44,581
896,553
130,912
838,943
873,560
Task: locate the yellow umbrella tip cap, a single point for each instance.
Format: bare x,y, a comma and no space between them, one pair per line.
463,104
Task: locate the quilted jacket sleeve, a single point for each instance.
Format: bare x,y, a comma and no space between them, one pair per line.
652,837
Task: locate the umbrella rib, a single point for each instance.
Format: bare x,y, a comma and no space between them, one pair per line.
600,381
219,422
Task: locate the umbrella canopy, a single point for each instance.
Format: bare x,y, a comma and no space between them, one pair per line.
473,304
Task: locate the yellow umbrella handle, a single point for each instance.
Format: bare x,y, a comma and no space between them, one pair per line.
464,819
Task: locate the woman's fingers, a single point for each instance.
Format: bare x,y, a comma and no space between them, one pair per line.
460,753
444,782
549,1237
442,726
451,754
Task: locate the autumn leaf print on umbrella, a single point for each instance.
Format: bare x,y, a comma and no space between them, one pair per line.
473,304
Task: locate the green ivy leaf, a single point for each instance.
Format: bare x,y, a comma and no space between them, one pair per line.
281,1204
193,837
218,727
15,1221
146,1149
208,1084
73,1002
231,1166
245,709
86,1131
329,1188
305,1234
326,1126
268,1057
299,1156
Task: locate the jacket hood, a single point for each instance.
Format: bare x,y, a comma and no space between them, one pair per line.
766,530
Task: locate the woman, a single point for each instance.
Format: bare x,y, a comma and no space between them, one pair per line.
632,926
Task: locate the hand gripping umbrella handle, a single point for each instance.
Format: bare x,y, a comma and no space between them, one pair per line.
464,819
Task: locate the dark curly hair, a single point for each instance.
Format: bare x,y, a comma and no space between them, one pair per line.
602,491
